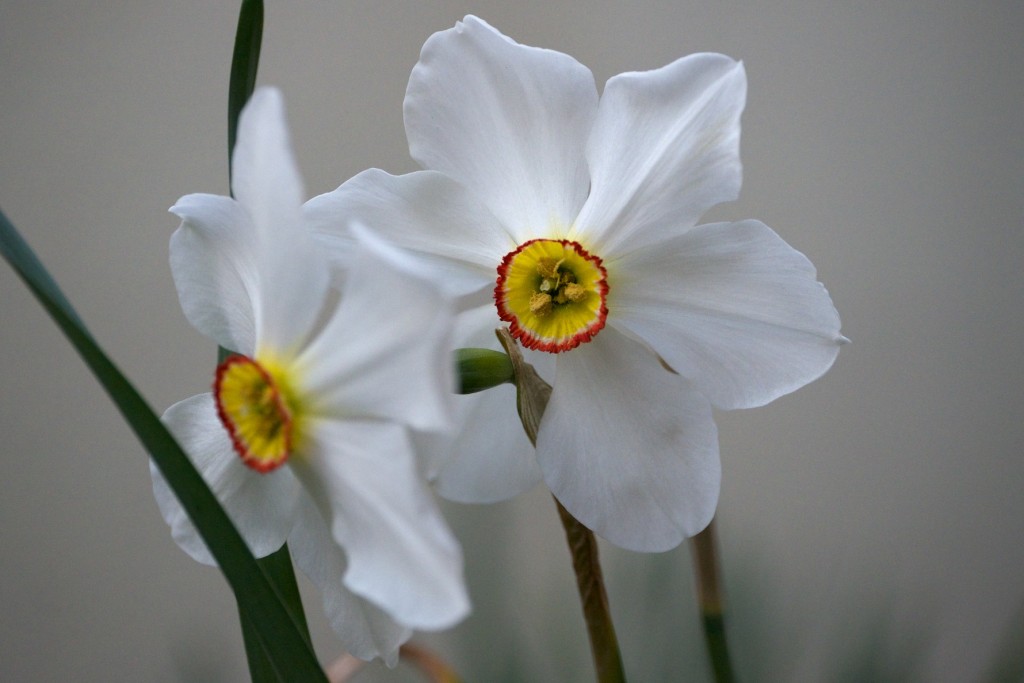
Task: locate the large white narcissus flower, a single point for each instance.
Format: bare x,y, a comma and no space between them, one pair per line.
572,219
305,437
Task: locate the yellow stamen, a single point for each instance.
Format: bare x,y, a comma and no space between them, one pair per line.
575,293
540,304
548,267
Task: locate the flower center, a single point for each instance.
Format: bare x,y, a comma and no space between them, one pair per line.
257,409
552,293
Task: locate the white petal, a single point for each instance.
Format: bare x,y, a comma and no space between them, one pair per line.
489,458
425,212
507,121
629,448
214,270
733,308
261,506
386,351
665,149
265,177
401,555
365,630
293,272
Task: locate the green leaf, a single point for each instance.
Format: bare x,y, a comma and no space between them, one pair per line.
288,651
481,369
244,63
278,568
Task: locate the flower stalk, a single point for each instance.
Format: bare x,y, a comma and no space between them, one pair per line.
590,582
429,664
433,668
710,599
532,394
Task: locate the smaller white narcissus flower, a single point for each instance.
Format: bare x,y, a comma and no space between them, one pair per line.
571,217
305,437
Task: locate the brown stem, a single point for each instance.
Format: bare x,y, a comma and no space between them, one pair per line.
429,664
433,667
532,394
343,668
710,599
604,646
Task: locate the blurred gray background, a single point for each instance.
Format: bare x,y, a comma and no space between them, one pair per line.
878,511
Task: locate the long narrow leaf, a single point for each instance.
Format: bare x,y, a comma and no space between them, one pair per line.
244,63
278,568
261,669
283,642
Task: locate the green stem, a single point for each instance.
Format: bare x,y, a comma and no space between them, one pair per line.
532,394
707,565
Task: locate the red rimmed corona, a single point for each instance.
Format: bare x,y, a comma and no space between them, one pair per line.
552,293
258,412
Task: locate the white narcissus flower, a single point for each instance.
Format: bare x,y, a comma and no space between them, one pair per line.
305,437
572,218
